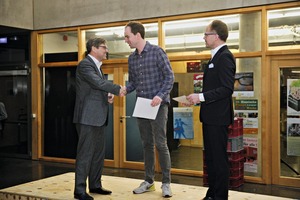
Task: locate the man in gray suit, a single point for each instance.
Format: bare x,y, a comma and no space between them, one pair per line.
93,95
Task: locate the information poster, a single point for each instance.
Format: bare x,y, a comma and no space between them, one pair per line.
250,147
248,110
293,136
243,85
183,123
198,83
293,97
195,67
293,124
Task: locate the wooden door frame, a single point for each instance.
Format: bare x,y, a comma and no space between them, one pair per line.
277,63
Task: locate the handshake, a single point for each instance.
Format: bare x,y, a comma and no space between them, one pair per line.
123,91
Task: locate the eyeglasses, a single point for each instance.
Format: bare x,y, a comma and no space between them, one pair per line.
104,47
210,33
245,80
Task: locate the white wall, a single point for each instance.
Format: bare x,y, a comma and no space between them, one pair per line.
16,13
46,14
64,13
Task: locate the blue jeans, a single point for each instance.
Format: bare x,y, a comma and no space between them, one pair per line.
154,134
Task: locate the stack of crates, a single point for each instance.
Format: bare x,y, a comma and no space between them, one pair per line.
235,151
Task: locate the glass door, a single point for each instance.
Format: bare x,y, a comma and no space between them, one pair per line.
132,152
15,132
286,121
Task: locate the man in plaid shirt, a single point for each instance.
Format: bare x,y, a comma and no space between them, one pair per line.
151,75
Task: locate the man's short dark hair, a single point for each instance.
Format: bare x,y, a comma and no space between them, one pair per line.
220,28
136,27
94,42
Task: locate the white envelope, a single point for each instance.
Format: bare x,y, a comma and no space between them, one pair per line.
143,109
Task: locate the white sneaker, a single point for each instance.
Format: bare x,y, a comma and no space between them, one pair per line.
166,190
144,187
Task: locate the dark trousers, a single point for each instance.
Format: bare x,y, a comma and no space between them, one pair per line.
215,144
89,158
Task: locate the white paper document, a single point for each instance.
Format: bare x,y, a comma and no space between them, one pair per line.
182,99
143,109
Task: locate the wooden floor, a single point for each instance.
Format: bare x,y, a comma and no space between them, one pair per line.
61,187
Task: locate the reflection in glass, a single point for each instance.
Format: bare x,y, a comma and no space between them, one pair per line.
187,35
284,27
115,39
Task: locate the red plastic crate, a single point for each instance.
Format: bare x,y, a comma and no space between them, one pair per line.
235,182
235,132
237,163
204,170
205,180
236,172
238,122
235,144
232,156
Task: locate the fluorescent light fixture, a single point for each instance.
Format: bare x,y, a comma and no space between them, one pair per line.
291,12
119,30
189,23
3,40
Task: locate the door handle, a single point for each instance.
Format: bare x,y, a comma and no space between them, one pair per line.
124,117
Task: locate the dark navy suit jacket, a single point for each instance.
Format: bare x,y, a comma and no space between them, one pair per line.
218,86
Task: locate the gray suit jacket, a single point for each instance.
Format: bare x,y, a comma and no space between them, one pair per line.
91,106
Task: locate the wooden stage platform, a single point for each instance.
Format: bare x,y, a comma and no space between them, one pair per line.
61,187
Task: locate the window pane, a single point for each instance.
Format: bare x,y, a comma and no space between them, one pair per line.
186,36
247,105
284,28
187,77
60,47
116,42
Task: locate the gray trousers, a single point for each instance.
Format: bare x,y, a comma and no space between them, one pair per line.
90,157
153,134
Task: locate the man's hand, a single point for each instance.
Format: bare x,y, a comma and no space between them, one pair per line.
193,98
123,91
156,101
110,98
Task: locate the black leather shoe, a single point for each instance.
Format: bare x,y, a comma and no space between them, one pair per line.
208,198
100,191
83,196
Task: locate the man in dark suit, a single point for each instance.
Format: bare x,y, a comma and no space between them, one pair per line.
93,95
216,112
